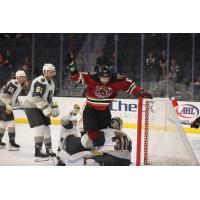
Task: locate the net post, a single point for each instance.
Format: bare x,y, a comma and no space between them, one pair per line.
139,131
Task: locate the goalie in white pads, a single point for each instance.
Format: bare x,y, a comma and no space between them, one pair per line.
116,150
9,98
39,107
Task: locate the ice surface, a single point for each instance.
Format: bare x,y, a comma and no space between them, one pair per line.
25,157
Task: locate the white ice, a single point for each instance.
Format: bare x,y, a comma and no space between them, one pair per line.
25,157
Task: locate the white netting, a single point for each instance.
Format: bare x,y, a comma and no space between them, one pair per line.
163,139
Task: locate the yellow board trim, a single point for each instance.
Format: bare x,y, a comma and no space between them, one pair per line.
126,125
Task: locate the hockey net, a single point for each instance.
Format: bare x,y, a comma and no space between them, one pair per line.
161,139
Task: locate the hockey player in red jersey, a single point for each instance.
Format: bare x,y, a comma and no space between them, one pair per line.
102,88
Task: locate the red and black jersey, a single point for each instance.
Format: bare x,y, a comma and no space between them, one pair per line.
98,95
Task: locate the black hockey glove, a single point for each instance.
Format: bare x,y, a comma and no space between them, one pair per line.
71,66
195,123
145,94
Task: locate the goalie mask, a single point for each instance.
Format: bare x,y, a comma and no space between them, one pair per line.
116,123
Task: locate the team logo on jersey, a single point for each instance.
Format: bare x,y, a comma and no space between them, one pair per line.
103,91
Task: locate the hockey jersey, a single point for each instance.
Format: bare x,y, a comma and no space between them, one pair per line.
41,93
10,92
99,96
117,144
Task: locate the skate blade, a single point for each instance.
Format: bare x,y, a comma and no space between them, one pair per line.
41,159
13,149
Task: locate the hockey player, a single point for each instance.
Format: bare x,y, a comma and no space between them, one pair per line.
116,150
196,123
9,98
39,107
102,88
69,125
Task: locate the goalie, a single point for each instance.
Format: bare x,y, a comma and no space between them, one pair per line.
116,151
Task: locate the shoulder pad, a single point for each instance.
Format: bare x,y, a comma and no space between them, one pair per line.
13,81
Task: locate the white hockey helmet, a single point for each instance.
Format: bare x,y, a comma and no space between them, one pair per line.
48,67
116,123
20,73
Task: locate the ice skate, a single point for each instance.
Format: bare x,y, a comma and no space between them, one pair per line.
13,146
50,153
2,145
39,156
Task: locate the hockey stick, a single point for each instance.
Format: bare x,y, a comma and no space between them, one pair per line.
81,113
41,160
186,123
18,108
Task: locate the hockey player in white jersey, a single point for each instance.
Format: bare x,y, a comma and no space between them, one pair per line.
69,124
39,107
9,98
116,150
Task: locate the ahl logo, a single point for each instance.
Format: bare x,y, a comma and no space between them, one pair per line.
103,91
187,111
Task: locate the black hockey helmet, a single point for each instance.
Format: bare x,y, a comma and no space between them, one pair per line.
104,71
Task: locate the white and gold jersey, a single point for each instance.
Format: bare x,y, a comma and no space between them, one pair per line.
10,92
41,93
117,143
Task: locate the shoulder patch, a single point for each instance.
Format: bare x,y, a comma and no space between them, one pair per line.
119,77
42,80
